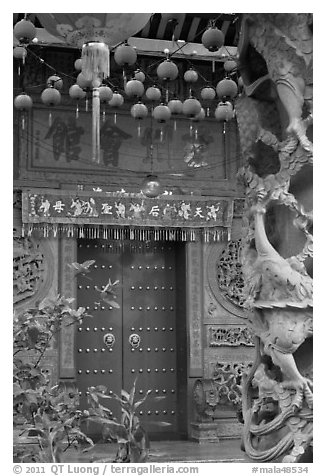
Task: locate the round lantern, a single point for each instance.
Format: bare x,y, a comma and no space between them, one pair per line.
224,111
191,107
105,93
139,110
151,186
175,106
161,113
139,75
213,39
78,64
153,93
134,88
117,100
76,92
167,70
20,52
125,55
227,88
83,82
54,82
51,97
207,93
200,116
24,31
230,65
23,102
190,76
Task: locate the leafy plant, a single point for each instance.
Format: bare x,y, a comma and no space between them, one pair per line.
131,437
48,413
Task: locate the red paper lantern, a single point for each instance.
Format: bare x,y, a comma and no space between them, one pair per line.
227,88
78,64
139,111
175,106
134,88
153,93
83,82
125,55
117,100
105,93
200,116
20,52
23,102
54,82
208,93
191,107
213,39
230,65
139,75
190,76
167,70
162,113
51,97
24,31
151,186
224,111
76,92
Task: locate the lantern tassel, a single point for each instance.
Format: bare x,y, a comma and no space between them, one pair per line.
96,126
95,60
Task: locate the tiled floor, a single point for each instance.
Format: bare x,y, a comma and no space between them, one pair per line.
225,451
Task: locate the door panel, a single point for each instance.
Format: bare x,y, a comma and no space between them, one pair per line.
148,302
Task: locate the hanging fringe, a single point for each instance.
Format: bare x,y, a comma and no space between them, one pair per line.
95,60
96,126
118,234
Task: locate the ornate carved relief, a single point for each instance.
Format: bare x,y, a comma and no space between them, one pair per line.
229,336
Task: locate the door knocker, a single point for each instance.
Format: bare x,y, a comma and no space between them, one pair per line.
134,340
109,340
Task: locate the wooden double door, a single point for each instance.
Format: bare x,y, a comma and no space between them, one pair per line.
145,338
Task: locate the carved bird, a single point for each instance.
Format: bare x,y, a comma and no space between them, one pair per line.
82,268
107,294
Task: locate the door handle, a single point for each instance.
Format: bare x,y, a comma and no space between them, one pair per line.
134,340
109,340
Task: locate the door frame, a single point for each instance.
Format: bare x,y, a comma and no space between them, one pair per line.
193,318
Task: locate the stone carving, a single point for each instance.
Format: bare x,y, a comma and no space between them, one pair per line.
229,273
224,389
229,336
278,392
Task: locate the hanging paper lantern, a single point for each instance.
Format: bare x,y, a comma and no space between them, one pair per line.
161,113
207,93
83,82
200,116
240,82
138,74
78,64
51,97
151,186
134,88
76,92
139,110
153,93
117,100
191,107
230,65
23,102
24,31
20,52
224,111
175,106
167,70
125,55
227,88
54,82
213,39
105,93
190,76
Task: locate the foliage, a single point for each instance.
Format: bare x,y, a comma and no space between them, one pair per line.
47,412
131,437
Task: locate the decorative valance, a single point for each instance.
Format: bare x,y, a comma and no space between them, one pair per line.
117,215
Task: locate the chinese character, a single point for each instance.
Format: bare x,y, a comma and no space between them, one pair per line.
77,205
111,140
106,209
155,211
59,206
137,209
185,210
211,214
198,212
89,207
45,206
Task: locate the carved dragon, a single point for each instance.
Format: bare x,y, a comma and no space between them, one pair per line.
274,116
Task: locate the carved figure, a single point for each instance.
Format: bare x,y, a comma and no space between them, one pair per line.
276,65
